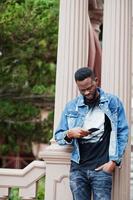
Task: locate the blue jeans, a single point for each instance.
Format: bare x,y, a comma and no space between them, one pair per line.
84,183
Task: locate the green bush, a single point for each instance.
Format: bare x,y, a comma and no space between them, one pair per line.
17,110
20,125
28,38
14,192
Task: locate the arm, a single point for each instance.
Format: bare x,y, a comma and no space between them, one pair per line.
122,138
65,134
62,129
122,130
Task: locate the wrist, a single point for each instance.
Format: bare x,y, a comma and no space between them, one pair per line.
69,134
114,162
68,137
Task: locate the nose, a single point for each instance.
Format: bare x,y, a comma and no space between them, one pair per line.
87,92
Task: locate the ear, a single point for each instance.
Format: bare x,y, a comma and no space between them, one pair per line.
96,80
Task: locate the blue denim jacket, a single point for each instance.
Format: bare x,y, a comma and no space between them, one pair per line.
74,115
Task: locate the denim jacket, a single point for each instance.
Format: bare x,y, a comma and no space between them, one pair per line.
74,115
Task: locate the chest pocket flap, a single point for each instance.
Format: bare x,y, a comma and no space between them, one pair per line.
72,117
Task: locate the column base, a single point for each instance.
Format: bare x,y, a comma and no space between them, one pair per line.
57,160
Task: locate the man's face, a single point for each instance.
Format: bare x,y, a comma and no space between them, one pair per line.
88,88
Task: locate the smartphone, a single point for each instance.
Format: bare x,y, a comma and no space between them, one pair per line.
93,129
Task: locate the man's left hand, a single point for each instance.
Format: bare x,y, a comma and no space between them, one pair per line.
107,167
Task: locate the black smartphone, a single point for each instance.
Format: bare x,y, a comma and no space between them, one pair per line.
93,129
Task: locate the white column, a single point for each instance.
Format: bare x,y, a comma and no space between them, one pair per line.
72,50
116,74
72,54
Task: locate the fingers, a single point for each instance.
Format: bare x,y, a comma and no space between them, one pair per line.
77,132
99,168
109,167
84,132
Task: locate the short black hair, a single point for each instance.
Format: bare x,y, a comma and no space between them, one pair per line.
83,73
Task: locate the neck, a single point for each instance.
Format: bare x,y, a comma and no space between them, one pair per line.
94,102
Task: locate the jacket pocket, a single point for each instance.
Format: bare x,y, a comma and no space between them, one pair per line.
72,117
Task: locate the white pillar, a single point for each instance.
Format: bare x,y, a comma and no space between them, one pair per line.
116,74
72,53
72,50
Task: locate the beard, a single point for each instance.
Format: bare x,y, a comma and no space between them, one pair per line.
94,101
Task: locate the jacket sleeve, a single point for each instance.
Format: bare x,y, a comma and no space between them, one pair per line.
61,131
122,130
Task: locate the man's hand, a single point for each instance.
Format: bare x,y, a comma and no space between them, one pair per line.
107,167
77,133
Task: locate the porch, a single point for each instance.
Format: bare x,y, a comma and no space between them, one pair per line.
73,51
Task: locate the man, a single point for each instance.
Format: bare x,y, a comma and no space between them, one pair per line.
96,126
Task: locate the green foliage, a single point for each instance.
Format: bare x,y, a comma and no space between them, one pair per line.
17,110
43,130
28,46
28,40
14,194
41,189
21,122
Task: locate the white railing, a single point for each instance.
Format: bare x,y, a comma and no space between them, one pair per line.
25,179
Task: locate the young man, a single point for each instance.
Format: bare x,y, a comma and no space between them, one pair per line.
96,126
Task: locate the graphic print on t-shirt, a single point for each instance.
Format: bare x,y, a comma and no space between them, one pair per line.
94,119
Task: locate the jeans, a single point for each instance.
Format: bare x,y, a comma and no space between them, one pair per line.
84,183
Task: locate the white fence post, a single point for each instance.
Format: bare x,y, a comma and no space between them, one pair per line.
3,193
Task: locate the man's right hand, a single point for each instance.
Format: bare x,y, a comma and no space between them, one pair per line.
77,133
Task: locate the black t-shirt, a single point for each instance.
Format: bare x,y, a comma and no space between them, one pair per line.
93,154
